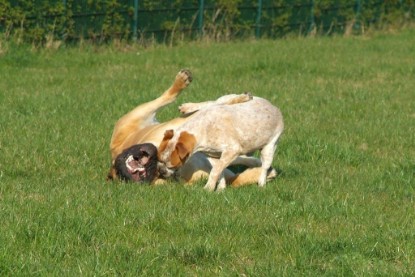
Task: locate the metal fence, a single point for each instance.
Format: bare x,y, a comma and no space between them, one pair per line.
135,19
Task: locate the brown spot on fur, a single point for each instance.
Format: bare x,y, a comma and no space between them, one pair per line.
186,143
168,134
182,151
175,160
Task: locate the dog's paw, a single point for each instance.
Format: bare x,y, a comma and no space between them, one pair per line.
271,174
183,78
245,97
188,108
221,186
248,96
239,98
209,187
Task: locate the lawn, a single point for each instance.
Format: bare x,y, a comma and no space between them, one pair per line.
342,204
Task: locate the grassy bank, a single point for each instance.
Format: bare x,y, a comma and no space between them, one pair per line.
343,203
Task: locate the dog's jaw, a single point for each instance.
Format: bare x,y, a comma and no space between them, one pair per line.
137,163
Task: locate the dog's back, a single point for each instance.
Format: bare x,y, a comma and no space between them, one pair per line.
245,127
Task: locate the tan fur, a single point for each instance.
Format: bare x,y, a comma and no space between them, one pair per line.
184,147
249,176
140,126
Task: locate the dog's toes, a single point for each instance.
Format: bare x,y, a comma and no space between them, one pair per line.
187,108
249,95
184,78
272,174
183,109
187,73
208,187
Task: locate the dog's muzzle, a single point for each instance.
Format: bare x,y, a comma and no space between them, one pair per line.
165,172
137,163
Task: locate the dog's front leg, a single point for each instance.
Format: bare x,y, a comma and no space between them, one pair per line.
217,171
213,178
222,182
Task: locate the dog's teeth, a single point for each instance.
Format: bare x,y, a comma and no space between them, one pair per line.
127,163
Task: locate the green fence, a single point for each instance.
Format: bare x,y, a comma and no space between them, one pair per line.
35,20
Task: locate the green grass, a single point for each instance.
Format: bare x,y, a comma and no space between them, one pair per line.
343,203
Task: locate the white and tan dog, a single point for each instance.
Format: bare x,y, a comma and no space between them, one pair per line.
225,132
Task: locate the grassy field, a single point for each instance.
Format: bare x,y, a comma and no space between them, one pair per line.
343,203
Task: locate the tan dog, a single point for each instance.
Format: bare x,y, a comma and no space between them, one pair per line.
225,132
133,151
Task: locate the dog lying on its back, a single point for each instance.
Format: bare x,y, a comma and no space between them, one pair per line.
243,128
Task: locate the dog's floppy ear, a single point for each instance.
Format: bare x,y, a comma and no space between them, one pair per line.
168,134
182,151
185,145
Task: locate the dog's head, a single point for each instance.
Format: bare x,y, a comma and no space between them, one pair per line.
175,150
137,163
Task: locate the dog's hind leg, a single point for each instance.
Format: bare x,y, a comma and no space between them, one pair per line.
250,176
267,155
148,110
230,99
145,114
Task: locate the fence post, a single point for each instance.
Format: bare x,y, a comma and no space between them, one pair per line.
135,20
65,12
312,22
258,20
358,11
200,17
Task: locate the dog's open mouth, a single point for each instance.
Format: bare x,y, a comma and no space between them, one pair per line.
136,166
137,163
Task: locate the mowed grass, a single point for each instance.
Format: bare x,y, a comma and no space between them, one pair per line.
343,203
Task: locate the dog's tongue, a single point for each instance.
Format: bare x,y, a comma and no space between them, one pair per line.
134,165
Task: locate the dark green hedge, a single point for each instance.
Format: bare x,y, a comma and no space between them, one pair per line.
37,21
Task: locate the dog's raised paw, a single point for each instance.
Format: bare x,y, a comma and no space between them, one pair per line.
183,78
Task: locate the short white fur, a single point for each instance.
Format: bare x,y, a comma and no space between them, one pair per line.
226,132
